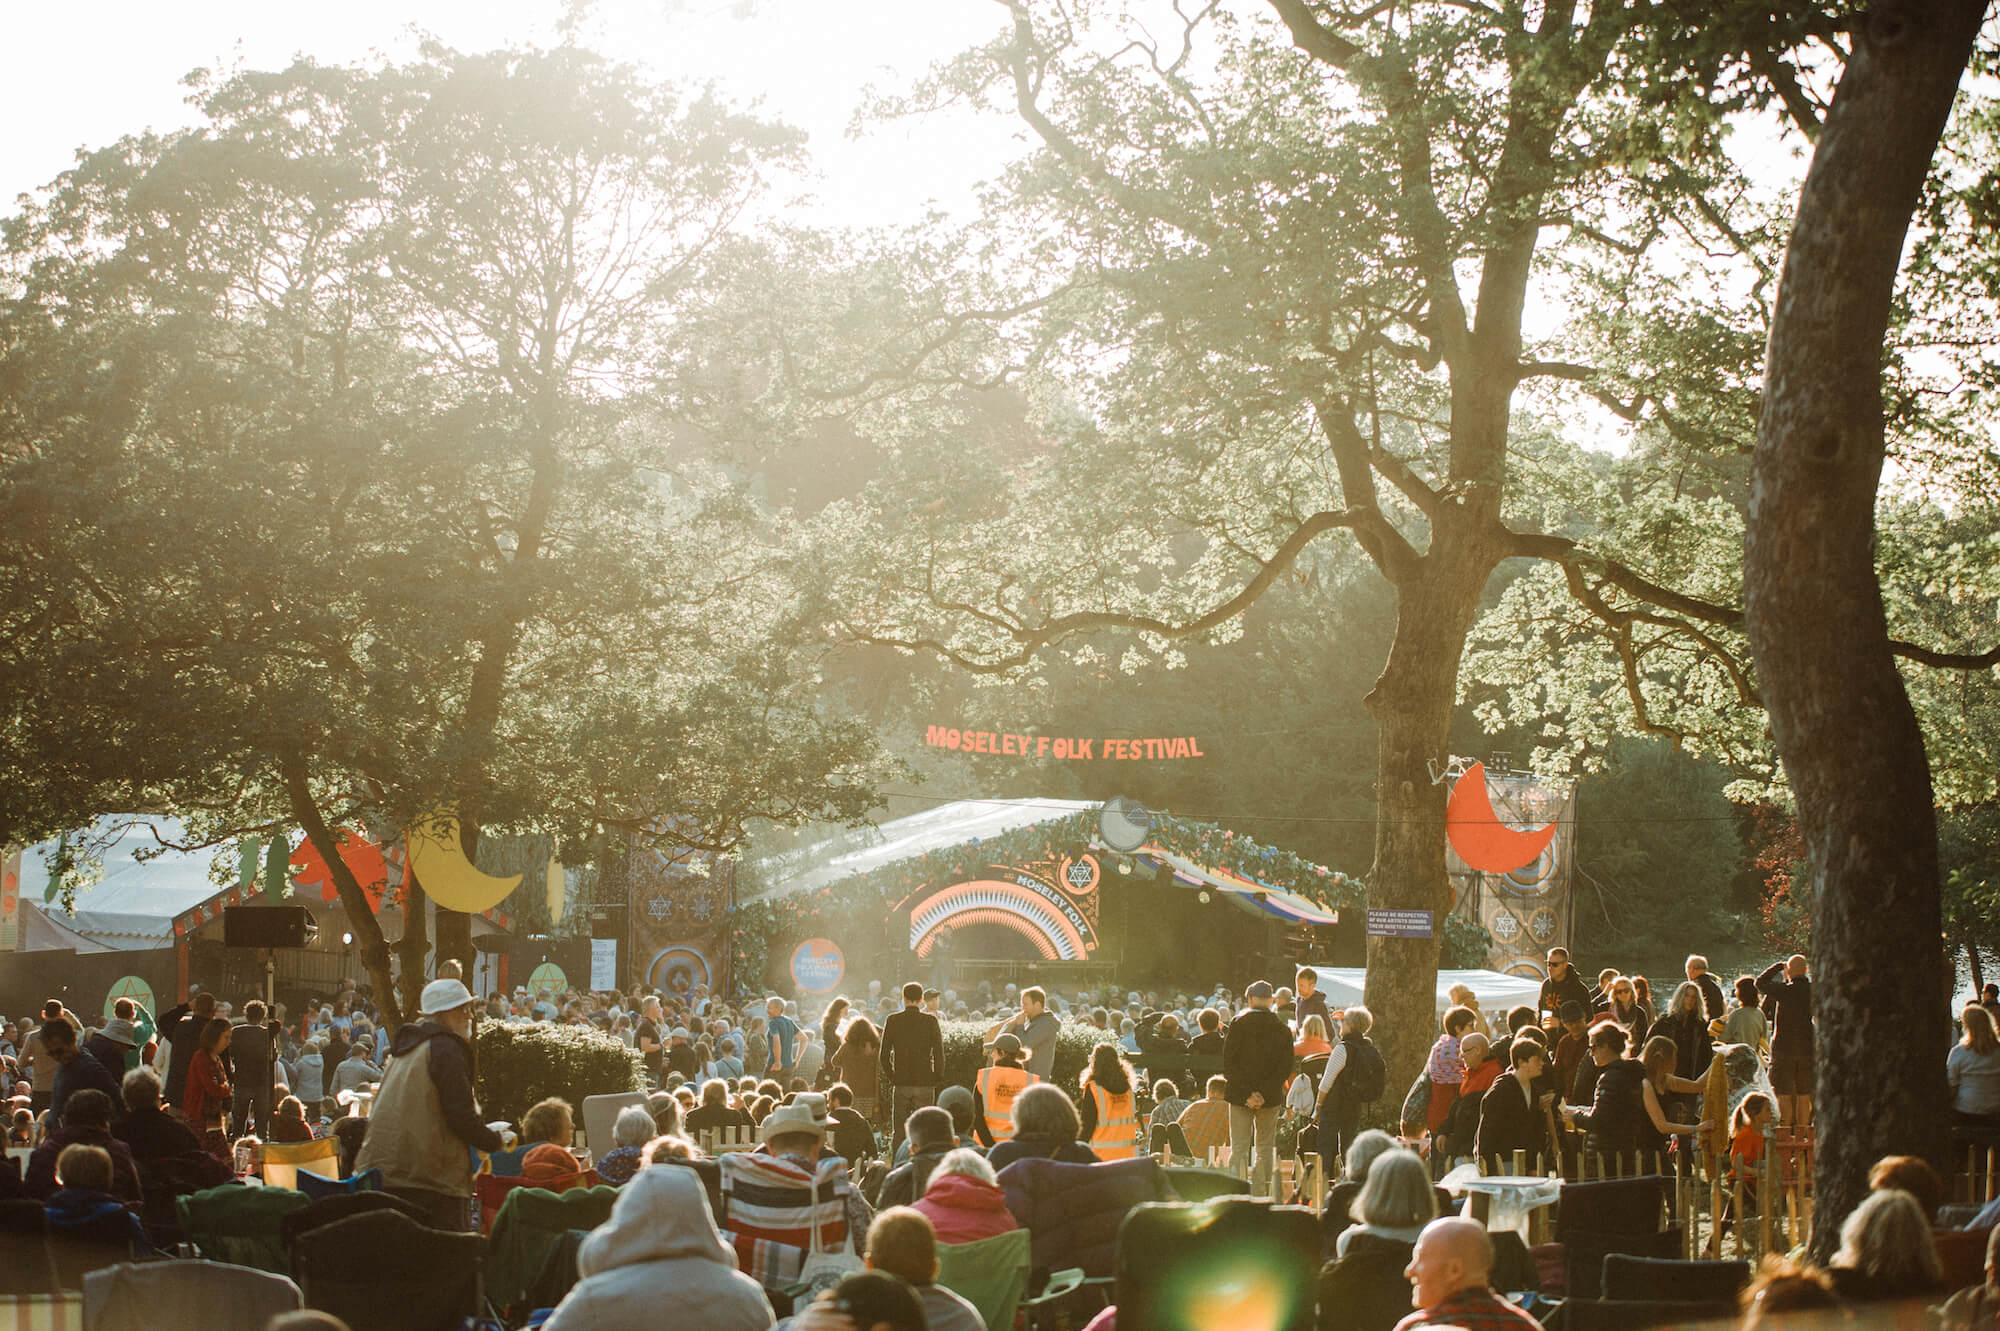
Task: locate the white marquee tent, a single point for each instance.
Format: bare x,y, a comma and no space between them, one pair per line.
1496,991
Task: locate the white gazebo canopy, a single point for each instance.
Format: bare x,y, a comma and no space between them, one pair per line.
1496,990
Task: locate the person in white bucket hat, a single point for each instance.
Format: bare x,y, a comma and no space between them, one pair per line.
425,1119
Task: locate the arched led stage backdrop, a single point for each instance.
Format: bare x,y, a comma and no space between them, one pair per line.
1050,905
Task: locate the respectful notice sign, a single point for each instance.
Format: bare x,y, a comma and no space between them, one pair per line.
603,963
1400,923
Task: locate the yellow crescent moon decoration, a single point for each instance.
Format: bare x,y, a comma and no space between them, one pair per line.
556,883
448,878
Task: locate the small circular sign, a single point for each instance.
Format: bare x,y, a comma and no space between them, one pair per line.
132,987
679,969
1081,876
818,965
547,980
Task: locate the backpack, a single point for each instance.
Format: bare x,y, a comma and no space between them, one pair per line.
1366,1076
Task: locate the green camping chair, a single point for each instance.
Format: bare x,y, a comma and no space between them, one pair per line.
241,1225
531,1223
991,1275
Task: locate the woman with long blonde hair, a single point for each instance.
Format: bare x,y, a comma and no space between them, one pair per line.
1973,1069
1662,1091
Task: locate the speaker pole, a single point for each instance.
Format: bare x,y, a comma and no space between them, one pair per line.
270,981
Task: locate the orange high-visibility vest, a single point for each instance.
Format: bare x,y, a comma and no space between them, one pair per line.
998,1086
1116,1136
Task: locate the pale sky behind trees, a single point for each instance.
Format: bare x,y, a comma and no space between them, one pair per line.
87,75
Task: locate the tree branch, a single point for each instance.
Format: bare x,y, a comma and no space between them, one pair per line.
1387,547
1065,626
1575,560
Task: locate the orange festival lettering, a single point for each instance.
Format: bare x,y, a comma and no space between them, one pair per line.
1063,748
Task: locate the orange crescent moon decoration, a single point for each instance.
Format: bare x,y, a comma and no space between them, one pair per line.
1478,835
362,857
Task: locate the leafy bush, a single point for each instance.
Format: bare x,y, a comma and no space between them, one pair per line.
1467,945
520,1063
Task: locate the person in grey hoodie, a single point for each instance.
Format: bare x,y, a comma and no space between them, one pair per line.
309,1073
658,1261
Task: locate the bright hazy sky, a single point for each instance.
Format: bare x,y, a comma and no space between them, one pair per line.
87,74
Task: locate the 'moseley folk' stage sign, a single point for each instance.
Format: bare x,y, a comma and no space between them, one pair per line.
1064,749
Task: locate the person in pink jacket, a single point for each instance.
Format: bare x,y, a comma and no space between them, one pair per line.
963,1200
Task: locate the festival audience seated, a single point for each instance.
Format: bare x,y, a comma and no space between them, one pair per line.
963,1200
551,1120
1366,1287
1977,1307
1886,1254
929,1132
549,1163
1793,1295
289,1124
659,1261
853,1139
902,1243
630,1132
1204,1124
1449,1266
147,1130
83,1206
86,1121
1045,1127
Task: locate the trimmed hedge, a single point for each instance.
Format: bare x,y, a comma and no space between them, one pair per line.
521,1063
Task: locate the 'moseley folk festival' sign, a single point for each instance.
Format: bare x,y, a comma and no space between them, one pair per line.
1064,748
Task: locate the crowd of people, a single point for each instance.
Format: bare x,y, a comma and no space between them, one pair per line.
853,1105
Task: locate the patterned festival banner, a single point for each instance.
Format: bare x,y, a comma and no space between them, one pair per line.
10,899
1527,911
678,907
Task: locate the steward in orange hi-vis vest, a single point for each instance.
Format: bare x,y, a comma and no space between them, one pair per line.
998,1087
1116,1135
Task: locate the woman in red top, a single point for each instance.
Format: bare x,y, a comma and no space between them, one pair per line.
208,1088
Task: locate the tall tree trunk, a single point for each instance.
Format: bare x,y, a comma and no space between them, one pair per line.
367,929
414,947
1839,714
487,692
1413,703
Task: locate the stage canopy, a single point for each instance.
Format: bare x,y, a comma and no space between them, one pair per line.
973,822
131,905
1024,880
852,854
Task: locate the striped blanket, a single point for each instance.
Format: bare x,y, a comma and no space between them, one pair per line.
768,1204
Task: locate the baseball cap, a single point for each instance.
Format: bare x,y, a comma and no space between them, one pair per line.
1007,1043
1259,989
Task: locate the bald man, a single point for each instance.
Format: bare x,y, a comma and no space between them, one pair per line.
1788,988
1447,1273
